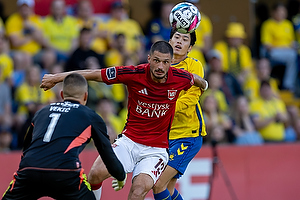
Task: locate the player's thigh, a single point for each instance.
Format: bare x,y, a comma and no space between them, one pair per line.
152,163
182,151
124,150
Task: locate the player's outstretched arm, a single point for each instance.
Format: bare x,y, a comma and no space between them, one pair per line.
50,80
200,82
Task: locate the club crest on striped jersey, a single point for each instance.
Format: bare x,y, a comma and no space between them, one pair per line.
111,73
172,94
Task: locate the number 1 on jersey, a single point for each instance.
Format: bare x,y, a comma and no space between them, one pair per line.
51,127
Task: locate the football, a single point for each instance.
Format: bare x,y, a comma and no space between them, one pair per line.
185,17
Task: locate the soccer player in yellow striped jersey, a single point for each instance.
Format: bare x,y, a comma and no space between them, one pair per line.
185,137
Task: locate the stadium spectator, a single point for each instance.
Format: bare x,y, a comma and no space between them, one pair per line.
78,59
204,36
61,31
107,110
269,114
151,107
230,86
86,19
6,63
291,134
296,126
236,56
188,127
243,124
278,39
159,26
58,133
24,30
2,28
120,23
5,139
116,56
30,98
215,83
6,115
218,124
263,73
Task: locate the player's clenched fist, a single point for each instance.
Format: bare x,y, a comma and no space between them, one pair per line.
48,82
118,185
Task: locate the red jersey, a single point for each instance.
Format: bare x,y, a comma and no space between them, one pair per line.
151,105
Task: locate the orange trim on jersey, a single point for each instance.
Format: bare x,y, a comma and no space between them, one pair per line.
81,177
14,181
82,138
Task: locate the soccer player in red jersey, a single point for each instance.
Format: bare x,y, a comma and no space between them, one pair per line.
153,90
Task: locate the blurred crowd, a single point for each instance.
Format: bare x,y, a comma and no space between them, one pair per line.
253,89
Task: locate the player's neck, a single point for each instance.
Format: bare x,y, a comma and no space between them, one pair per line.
178,58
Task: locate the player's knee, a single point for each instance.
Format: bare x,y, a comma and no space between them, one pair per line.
158,187
138,192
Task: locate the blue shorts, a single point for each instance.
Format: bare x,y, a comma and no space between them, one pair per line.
182,151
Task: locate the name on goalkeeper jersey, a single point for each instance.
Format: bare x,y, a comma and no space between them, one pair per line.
152,109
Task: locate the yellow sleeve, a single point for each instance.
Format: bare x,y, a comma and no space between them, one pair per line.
13,24
266,37
246,59
6,65
191,96
221,46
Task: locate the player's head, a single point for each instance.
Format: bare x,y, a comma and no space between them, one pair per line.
75,87
160,58
182,43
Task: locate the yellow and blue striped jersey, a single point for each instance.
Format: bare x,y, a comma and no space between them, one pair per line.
188,119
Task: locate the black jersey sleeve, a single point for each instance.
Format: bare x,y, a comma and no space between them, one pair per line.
102,143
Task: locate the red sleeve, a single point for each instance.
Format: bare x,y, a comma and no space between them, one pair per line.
120,74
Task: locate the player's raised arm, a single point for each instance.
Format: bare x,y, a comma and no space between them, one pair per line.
50,80
200,82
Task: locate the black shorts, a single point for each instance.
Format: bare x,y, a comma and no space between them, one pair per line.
31,184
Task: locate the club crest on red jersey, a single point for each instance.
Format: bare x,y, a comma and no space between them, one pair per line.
172,94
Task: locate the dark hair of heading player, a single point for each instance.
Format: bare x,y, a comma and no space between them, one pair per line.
193,36
162,47
74,80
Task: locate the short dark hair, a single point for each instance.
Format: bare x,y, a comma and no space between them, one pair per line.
162,47
265,83
85,29
192,34
74,85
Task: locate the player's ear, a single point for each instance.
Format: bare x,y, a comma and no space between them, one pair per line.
148,58
62,94
85,96
190,48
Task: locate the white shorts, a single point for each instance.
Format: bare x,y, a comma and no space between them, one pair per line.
139,158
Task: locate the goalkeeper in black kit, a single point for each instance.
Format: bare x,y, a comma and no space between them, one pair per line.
50,165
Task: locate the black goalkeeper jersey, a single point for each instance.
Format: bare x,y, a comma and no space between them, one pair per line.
58,134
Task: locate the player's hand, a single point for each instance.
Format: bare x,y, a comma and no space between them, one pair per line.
118,185
48,82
